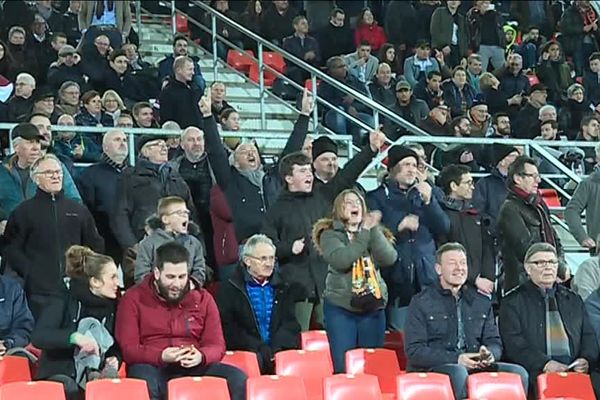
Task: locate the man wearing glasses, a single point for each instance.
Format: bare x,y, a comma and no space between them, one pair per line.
524,219
543,325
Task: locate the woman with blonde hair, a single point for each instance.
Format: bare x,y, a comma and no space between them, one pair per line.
112,104
355,246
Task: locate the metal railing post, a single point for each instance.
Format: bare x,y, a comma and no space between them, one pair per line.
131,145
213,33
376,118
138,17
261,86
173,18
315,115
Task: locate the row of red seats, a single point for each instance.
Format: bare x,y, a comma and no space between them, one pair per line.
243,62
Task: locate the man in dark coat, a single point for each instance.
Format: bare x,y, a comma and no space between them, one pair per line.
16,321
291,232
303,46
544,326
257,305
336,38
180,48
179,99
67,68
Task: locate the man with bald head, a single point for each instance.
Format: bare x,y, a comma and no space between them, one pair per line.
98,184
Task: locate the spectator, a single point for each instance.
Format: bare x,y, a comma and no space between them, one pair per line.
324,155
180,48
70,23
453,42
218,92
125,120
112,19
415,217
572,112
382,86
544,325
554,72
586,282
179,99
367,29
527,120
51,17
98,185
67,68
387,55
7,63
495,98
458,153
256,305
539,14
82,319
336,37
468,227
424,11
579,29
173,224
112,104
91,113
276,21
475,70
437,337
480,119
43,103
355,247
303,46
401,27
44,127
94,62
230,122
361,64
39,43
232,35
193,346
250,19
491,191
487,35
17,321
591,79
437,122
430,91
21,102
23,58
143,115
291,233
502,126
134,59
120,79
457,93
529,48
407,107
30,251
524,219
76,147
590,132
417,67
68,98
513,81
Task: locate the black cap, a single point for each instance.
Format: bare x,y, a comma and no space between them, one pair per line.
27,131
478,102
42,93
537,86
399,153
500,151
142,140
323,144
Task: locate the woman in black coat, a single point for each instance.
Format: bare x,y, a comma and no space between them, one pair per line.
92,293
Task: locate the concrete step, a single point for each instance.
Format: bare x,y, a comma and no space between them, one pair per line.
271,124
252,106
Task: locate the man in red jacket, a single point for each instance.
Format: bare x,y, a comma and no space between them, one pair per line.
169,327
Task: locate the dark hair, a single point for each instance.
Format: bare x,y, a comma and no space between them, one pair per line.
382,53
446,247
458,68
594,56
179,37
585,121
364,43
551,122
226,113
89,95
456,121
298,18
137,107
8,58
57,35
171,252
250,8
83,262
518,167
37,114
451,174
116,53
532,27
335,11
286,165
498,115
361,16
431,74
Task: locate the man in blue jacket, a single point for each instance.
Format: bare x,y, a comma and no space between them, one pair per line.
16,321
416,218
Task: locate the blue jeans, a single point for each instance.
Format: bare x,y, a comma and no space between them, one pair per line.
348,330
157,377
458,375
342,126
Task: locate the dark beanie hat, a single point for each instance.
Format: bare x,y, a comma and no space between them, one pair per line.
500,151
323,144
399,153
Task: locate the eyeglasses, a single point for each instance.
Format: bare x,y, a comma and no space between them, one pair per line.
264,259
470,182
543,263
181,213
49,173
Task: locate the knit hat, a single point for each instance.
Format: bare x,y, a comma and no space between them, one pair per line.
323,144
500,151
399,153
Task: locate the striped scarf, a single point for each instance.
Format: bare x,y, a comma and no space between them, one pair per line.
557,341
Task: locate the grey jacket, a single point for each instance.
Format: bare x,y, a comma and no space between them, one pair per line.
144,261
354,69
96,330
585,198
587,278
341,254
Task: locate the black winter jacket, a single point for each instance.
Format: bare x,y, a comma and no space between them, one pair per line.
489,195
179,103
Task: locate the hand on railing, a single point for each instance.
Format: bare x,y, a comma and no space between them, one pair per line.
377,139
205,104
308,103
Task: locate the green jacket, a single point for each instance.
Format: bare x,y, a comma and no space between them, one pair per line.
341,254
441,30
585,198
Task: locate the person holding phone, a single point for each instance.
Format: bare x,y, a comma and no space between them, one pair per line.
450,326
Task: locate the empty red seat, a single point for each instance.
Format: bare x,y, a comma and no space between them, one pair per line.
14,369
273,60
197,388
117,389
394,340
311,365
181,23
240,61
32,391
564,384
273,387
424,386
314,340
382,363
244,360
496,386
550,197
308,84
351,387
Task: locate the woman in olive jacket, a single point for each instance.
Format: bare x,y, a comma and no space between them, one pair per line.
353,238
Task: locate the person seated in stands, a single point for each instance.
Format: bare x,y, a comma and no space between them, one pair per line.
496,98
143,115
191,345
544,325
324,154
457,93
180,48
16,321
119,78
591,79
513,80
76,332
68,98
436,122
134,59
70,22
67,68
91,113
303,46
43,103
383,86
480,119
218,92
112,104
23,58
474,71
554,71
124,120
407,107
76,146
573,110
112,19
417,67
21,102
277,21
173,224
257,306
501,125
459,153
362,64
94,61
442,333
526,124
590,132
430,90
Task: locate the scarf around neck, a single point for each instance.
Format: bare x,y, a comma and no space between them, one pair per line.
535,200
255,177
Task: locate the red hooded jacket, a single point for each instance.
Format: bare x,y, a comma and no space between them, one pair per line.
146,325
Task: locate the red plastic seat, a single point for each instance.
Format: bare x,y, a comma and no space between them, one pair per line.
314,340
181,23
496,386
312,366
550,197
14,369
273,387
565,385
394,340
351,387
381,363
424,386
117,389
244,360
240,61
32,391
197,388
308,84
273,60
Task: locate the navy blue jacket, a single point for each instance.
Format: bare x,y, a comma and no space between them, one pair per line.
488,197
293,44
452,97
336,97
511,85
431,330
16,321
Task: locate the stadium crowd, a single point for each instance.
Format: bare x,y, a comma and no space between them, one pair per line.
471,270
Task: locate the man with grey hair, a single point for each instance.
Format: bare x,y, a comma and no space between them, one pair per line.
257,305
527,121
179,98
544,325
21,103
68,98
41,229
